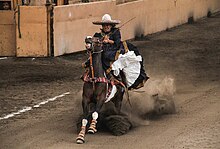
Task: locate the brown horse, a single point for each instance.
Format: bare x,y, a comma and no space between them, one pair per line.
95,89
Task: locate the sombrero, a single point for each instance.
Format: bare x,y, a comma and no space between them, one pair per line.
106,19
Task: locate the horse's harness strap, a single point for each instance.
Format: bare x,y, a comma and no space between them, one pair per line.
117,54
125,46
95,79
86,78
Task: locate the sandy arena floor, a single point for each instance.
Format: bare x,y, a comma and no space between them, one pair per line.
190,54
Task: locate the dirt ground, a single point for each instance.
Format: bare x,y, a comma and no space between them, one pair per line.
190,54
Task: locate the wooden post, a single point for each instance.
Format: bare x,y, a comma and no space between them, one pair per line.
49,9
60,2
16,2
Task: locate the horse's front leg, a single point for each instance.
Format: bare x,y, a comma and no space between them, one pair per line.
85,104
92,128
100,101
81,136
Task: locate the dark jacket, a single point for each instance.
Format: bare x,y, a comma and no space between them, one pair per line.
110,50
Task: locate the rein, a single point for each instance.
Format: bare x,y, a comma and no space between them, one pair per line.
91,67
94,80
97,52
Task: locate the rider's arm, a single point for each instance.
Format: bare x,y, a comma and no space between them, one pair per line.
117,39
114,39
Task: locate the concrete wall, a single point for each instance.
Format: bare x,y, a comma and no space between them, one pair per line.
37,2
73,22
33,27
7,33
136,26
8,30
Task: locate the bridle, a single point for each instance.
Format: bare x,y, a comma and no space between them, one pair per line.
93,42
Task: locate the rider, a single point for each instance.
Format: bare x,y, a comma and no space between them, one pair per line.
113,47
111,40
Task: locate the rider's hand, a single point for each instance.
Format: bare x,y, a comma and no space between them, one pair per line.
107,40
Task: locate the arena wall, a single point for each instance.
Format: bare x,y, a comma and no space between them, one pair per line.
7,29
71,23
7,33
34,32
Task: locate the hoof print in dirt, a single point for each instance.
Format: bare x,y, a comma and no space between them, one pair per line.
117,124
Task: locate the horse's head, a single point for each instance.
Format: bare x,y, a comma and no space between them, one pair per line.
94,49
94,44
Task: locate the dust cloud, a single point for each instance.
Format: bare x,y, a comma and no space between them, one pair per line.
155,98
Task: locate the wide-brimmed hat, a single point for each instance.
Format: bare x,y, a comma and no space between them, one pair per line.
106,19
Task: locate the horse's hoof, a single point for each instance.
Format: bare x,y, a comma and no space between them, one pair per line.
92,130
80,140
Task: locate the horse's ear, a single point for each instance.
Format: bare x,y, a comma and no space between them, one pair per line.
88,39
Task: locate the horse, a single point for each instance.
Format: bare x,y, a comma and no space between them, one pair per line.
95,89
